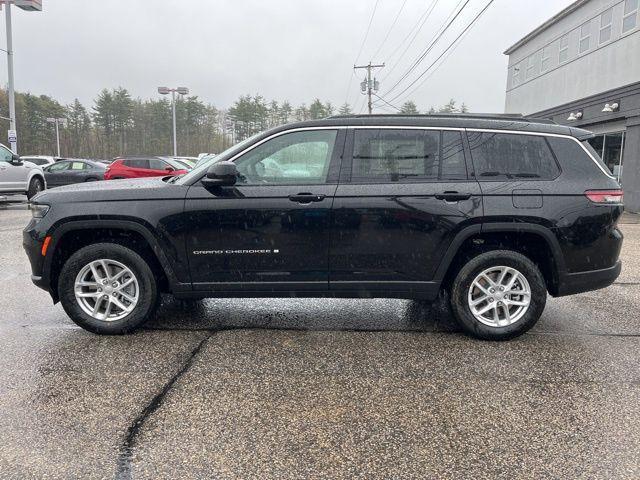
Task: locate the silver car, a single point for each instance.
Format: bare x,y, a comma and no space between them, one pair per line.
19,177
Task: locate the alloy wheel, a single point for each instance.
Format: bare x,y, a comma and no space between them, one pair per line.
106,290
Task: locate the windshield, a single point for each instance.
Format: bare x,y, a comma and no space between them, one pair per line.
228,153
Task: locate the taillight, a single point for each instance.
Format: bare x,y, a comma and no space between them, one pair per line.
605,196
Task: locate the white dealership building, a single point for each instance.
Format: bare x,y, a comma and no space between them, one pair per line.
582,68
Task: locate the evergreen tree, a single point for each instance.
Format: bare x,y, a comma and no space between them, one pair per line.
409,108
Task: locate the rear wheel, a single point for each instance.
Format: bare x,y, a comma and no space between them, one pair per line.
36,185
108,289
498,295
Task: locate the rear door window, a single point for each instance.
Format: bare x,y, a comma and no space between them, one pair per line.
512,156
137,163
404,155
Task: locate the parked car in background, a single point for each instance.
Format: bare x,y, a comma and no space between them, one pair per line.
191,161
66,172
139,167
204,157
18,176
41,160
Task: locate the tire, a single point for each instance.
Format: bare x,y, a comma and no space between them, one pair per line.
519,318
144,289
91,179
36,185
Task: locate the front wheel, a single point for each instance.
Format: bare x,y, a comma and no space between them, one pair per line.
107,288
36,185
498,295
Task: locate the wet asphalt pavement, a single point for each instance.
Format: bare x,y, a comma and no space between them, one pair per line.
308,388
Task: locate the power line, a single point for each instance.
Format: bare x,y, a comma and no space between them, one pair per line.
364,40
366,35
432,44
421,22
393,24
388,103
471,24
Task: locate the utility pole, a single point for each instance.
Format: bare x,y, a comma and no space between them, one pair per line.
369,85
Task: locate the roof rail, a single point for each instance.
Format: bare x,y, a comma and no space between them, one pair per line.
472,116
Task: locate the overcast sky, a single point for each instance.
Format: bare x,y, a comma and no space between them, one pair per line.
292,50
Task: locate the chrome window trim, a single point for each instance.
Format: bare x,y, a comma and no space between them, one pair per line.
414,127
541,134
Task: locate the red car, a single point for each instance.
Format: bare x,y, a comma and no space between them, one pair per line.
138,167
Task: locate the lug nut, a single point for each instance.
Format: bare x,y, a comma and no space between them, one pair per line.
491,300
106,297
500,304
114,285
115,294
104,282
493,290
99,290
502,289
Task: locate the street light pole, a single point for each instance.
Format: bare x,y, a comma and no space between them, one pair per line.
173,108
10,87
57,121
28,5
173,91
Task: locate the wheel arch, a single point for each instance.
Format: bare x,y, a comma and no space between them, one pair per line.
537,242
71,236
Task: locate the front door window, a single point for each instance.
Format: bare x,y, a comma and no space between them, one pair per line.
298,158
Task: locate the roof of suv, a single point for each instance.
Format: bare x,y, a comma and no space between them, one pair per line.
479,121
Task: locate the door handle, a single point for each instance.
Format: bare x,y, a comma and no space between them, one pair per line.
451,196
306,197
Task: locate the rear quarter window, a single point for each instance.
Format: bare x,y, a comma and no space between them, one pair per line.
503,156
572,156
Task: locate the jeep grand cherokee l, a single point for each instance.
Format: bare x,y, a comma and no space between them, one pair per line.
496,211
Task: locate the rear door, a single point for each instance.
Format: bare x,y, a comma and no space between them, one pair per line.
137,168
404,194
56,174
270,231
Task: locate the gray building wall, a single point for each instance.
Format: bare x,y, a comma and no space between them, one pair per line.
604,66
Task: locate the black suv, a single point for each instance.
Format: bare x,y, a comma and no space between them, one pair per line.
496,211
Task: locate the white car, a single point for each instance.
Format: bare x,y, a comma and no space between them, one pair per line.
19,177
41,160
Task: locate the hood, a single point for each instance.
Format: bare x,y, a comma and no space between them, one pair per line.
113,190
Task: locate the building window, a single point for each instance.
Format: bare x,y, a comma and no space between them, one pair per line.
564,49
605,25
585,37
529,72
546,59
630,18
516,75
610,147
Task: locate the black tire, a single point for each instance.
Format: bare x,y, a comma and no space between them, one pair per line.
36,185
91,179
148,295
460,290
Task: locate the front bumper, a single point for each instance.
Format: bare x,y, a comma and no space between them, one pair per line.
572,283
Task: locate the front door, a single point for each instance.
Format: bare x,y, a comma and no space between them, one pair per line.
404,194
57,174
12,177
269,232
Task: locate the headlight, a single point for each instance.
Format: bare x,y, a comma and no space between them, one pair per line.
39,210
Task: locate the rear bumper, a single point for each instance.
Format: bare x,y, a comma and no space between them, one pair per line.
571,283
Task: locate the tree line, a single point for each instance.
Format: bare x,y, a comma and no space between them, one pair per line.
118,124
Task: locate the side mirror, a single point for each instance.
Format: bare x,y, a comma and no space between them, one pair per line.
221,174
15,160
